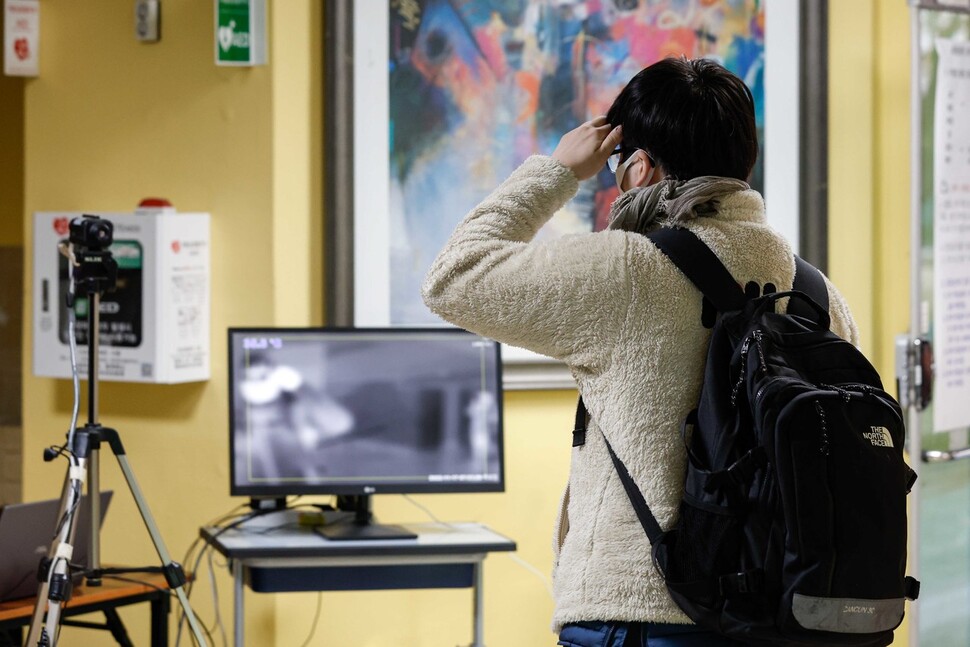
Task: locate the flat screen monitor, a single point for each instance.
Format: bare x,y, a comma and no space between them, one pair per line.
364,411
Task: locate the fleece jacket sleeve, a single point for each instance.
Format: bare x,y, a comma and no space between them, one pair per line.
565,298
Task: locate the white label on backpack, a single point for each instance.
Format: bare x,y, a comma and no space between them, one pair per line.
879,437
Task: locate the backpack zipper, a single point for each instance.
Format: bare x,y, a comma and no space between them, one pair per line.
762,365
824,448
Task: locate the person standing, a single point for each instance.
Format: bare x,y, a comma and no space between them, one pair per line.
681,140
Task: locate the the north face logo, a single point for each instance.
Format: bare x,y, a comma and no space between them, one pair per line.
879,437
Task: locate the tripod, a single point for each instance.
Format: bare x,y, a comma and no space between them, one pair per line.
93,271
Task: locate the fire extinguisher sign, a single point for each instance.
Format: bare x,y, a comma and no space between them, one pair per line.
21,37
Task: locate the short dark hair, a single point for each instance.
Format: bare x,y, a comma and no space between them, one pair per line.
692,116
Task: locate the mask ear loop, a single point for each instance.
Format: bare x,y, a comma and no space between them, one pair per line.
620,172
621,169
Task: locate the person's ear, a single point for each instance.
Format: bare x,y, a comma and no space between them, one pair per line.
641,172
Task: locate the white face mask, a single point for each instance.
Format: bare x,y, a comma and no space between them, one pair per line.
621,171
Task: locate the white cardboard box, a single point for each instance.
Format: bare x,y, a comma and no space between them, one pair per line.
155,325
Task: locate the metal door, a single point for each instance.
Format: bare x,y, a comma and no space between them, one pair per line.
938,432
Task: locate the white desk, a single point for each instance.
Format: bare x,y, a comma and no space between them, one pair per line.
272,554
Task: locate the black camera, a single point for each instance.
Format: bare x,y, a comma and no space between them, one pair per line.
96,270
91,233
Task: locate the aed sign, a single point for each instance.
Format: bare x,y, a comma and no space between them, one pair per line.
240,32
21,37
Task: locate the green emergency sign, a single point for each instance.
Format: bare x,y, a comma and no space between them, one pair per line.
240,32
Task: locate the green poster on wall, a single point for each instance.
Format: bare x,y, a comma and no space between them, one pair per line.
240,32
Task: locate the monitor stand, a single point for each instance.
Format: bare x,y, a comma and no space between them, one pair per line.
262,504
361,527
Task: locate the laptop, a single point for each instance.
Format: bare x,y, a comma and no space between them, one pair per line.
26,533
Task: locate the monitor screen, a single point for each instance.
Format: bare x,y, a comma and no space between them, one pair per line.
364,411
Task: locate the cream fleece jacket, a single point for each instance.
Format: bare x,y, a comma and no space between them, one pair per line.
628,325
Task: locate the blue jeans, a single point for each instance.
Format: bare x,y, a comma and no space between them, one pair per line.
639,634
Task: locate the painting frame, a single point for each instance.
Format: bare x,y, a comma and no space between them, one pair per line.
358,233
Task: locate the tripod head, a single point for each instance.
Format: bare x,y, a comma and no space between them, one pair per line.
97,270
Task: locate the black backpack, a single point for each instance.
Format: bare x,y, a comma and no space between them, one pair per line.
792,528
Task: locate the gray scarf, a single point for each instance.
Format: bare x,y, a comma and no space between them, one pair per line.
671,201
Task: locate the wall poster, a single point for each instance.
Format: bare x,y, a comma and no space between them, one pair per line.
951,236
450,96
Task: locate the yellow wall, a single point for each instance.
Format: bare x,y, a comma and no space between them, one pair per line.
851,135
892,179
869,168
111,120
11,158
297,171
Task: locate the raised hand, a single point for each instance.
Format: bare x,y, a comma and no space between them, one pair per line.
585,149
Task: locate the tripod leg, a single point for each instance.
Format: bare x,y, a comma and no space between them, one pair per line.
49,597
52,624
156,536
38,619
94,514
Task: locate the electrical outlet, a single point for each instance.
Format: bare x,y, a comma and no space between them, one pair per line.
147,18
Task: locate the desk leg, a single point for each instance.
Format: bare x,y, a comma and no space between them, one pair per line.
161,606
479,602
117,627
238,614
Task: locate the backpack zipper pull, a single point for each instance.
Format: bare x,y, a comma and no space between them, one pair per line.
845,393
744,364
761,351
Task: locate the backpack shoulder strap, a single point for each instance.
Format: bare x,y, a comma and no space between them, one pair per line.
810,281
708,274
640,507
701,266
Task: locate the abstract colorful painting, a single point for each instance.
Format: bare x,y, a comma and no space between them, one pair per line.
476,86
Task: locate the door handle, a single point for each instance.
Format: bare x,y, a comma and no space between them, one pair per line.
936,456
915,371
